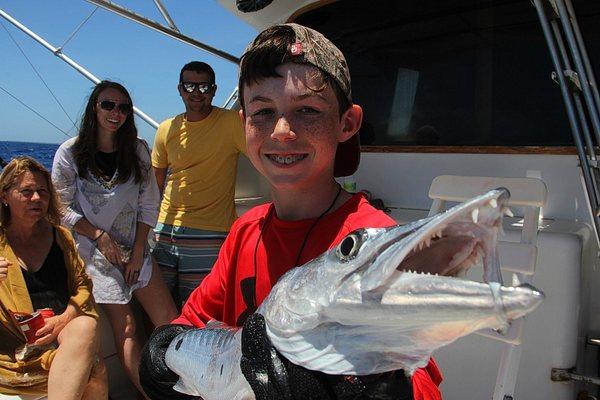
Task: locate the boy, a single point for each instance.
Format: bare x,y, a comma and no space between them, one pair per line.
297,111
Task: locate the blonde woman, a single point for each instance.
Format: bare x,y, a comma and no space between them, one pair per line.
40,268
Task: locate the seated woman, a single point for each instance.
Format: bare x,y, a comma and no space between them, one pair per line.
105,180
40,268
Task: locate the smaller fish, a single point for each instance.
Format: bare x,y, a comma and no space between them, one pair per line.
383,299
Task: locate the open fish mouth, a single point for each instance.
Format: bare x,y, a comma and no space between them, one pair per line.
446,244
458,240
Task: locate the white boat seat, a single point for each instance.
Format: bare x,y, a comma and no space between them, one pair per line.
517,258
529,193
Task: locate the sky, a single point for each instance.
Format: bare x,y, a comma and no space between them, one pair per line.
146,62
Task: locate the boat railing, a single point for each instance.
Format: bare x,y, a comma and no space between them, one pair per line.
575,76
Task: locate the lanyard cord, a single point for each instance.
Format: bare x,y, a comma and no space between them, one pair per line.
268,219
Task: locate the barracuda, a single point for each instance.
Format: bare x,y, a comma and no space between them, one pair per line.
383,299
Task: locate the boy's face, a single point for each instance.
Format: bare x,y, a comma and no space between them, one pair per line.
292,132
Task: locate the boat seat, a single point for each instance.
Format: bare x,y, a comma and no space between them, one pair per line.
21,397
516,258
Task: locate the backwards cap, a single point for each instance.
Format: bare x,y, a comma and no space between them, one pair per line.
311,47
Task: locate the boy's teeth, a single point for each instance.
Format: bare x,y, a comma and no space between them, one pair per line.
286,159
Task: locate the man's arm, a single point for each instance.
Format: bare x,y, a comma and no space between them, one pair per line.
161,176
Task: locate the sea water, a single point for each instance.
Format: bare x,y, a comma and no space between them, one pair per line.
43,152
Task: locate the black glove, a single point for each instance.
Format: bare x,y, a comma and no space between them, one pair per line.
272,376
155,377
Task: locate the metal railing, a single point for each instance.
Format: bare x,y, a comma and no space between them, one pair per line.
574,74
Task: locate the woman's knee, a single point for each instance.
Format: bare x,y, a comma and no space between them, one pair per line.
122,320
82,329
130,326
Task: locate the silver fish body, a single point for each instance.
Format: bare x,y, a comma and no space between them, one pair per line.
374,303
208,363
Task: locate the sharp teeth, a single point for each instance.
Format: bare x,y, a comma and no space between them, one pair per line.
493,203
427,242
475,215
507,212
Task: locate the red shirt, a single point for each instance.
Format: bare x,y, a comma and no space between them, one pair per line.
250,263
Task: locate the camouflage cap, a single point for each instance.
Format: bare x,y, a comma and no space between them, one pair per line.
311,47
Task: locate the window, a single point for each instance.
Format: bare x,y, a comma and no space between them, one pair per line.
462,73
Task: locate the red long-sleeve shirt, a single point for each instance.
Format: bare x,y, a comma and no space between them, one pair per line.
249,264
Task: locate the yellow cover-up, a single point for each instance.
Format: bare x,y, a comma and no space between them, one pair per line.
30,376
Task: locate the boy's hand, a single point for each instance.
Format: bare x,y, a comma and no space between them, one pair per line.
260,363
155,377
271,376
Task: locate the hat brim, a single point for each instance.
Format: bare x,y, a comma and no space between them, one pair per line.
347,157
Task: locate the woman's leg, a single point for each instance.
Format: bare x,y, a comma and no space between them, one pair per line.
97,386
127,341
156,299
77,351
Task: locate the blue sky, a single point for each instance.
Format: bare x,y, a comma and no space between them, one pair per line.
110,47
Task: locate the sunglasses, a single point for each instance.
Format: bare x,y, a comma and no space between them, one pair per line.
108,105
203,87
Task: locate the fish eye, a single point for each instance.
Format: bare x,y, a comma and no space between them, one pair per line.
348,248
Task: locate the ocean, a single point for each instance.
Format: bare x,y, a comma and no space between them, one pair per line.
43,152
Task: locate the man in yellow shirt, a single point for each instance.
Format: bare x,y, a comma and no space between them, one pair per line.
200,150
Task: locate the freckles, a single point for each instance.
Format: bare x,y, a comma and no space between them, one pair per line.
316,128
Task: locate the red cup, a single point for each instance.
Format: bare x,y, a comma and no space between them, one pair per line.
29,324
46,312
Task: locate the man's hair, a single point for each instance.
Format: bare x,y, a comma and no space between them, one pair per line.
270,49
8,178
199,67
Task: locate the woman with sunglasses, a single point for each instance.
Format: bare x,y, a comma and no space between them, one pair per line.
105,181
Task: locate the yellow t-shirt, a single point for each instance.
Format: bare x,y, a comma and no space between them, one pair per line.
202,157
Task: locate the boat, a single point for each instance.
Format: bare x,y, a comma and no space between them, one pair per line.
459,95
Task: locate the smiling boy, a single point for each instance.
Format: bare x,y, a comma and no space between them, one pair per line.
301,131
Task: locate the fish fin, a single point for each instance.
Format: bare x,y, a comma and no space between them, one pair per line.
181,387
214,324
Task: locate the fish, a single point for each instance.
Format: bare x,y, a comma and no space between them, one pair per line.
383,299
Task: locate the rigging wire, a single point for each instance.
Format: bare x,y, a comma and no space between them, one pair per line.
38,74
35,112
78,28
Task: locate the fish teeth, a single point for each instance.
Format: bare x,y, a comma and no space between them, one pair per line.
493,203
507,212
475,215
427,242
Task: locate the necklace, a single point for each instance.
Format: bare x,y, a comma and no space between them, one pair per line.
264,227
